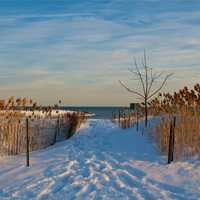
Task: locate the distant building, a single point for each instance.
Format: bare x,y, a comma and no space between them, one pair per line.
134,106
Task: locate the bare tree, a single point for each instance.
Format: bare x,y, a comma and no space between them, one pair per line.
147,79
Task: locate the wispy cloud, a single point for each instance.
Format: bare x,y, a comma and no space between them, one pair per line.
71,46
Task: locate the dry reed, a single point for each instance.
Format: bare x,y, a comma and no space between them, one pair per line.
43,125
185,105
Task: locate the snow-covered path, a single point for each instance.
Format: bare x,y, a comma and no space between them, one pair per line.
100,162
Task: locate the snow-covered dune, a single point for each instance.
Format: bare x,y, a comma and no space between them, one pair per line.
102,161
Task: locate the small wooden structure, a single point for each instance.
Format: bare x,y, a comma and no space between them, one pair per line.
134,106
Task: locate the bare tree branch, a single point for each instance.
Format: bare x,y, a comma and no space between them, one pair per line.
134,79
146,74
153,78
140,76
136,72
130,90
163,83
146,78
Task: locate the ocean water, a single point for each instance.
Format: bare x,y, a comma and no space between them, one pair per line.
100,112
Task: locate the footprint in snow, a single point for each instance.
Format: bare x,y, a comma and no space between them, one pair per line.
3,194
183,172
135,172
60,184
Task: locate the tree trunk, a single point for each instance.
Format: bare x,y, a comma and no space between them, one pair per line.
146,113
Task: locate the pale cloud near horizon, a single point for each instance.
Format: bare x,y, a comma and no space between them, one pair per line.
81,55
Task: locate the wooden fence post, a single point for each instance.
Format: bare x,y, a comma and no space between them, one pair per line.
129,119
58,125
171,141
119,116
124,120
16,144
27,143
56,132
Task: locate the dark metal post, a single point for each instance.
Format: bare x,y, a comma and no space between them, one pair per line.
171,141
58,124
56,132
137,123
27,143
119,116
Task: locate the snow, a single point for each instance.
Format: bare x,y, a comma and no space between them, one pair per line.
43,114
39,113
101,161
54,113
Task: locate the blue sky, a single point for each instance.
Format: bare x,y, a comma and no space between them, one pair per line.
78,50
